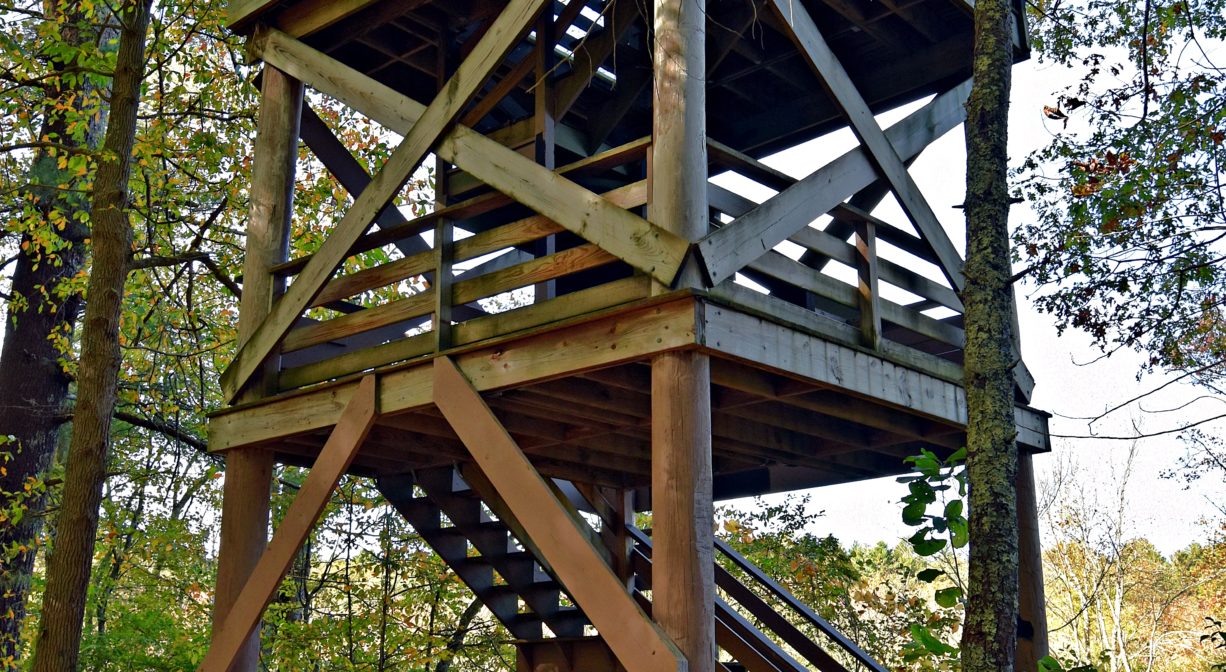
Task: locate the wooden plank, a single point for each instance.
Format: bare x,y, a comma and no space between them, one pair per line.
880,150
638,643
925,385
869,291
241,12
537,270
356,361
309,16
434,121
538,226
631,238
409,307
366,279
337,454
592,342
728,249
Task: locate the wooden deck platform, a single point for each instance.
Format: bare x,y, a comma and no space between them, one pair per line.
793,404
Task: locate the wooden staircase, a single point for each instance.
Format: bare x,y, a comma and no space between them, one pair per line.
497,563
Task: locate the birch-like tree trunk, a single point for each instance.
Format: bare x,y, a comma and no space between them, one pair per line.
989,640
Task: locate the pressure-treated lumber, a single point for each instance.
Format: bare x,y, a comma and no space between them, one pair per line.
337,454
1032,642
434,121
636,641
597,341
627,236
245,495
869,290
728,249
679,130
880,150
683,594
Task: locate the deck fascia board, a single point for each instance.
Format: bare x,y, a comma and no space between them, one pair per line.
727,325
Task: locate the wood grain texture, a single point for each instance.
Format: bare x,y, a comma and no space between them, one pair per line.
354,424
880,150
730,248
683,581
625,235
434,121
636,641
590,343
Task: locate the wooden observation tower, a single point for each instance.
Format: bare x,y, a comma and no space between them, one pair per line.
681,342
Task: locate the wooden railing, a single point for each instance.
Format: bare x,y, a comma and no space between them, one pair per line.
861,304
390,312
779,629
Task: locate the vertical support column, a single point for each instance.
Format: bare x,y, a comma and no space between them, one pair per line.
444,233
683,593
866,268
245,495
1032,605
544,131
683,577
678,168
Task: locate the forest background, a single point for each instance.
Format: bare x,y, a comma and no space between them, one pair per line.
365,593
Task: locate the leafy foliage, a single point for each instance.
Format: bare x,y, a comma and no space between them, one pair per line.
1128,239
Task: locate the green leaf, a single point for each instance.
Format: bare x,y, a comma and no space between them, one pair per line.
1049,664
929,575
913,514
948,597
929,547
920,634
953,509
959,535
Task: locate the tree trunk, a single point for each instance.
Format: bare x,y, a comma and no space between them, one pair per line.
990,635
35,388
69,563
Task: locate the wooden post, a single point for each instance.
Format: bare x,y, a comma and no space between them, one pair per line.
1032,606
683,584
866,268
683,594
679,125
245,494
544,122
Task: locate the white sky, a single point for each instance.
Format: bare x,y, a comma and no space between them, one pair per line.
1159,509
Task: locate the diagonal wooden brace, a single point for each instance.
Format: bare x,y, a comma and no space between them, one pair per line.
635,639
733,246
623,234
433,122
880,150
334,459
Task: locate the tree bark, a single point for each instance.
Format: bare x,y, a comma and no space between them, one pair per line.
70,560
990,635
35,390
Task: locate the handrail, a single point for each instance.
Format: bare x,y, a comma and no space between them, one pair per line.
799,607
787,632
